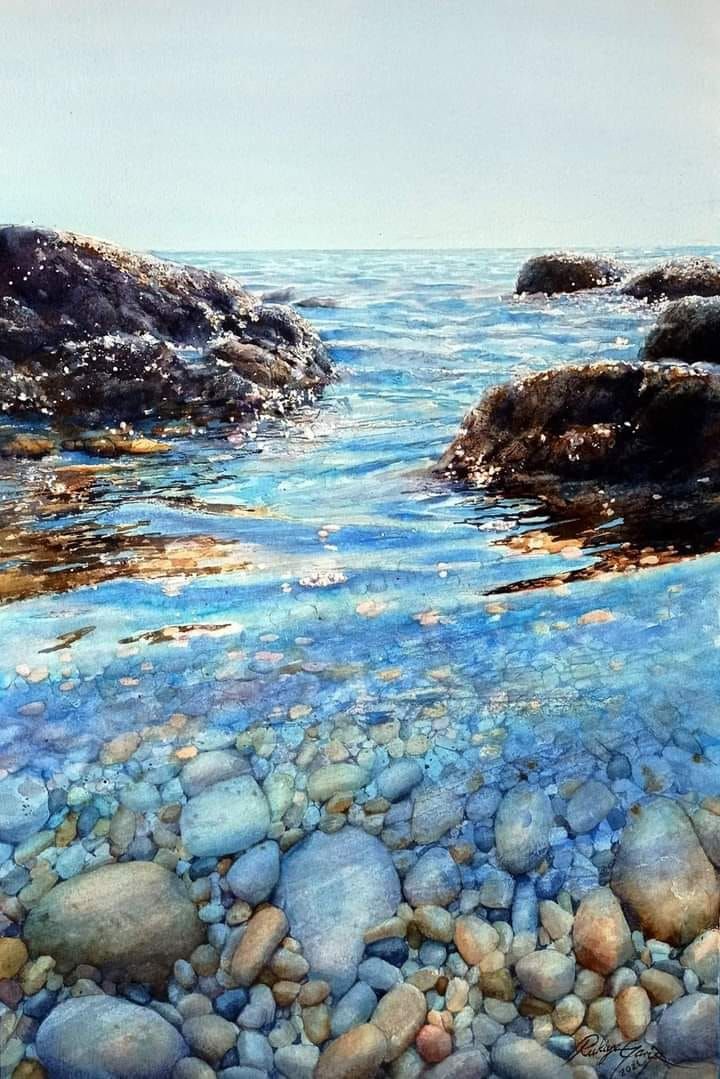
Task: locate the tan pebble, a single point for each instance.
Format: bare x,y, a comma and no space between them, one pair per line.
357,1054
313,992
632,1009
264,932
35,974
596,617
456,994
474,938
289,965
568,1014
316,1023
13,956
391,927
29,1069
339,803
601,935
600,1015
424,979
186,753
588,985
498,984
556,921
285,992
400,1015
662,988
120,749
542,1028
239,913
435,923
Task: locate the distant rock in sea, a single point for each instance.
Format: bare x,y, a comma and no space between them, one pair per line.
563,271
687,329
91,332
671,280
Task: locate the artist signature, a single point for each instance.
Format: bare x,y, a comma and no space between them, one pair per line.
633,1057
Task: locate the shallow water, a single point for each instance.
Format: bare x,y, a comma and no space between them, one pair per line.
344,576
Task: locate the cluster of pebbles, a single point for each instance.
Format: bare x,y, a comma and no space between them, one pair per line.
328,903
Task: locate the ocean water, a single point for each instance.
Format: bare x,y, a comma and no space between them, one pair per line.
319,568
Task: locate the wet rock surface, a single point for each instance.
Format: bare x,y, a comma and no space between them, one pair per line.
567,272
686,330
671,280
89,332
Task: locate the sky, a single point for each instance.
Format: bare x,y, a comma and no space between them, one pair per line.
250,124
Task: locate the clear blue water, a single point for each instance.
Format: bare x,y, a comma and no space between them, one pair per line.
367,589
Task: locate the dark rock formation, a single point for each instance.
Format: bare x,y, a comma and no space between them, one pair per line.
90,332
693,276
688,330
617,422
565,272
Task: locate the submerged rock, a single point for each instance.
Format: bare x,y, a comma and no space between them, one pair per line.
522,828
333,887
226,818
564,271
663,876
618,422
88,329
131,918
23,806
94,1036
691,276
686,330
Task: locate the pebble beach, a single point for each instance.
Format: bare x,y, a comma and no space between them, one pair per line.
302,776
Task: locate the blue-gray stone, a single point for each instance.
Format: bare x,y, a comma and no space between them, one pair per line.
333,888
40,1004
522,828
398,779
24,806
589,805
226,818
482,805
618,767
484,836
465,1064
254,1050
254,874
99,1037
432,953
354,1008
688,1029
260,1010
549,884
230,1003
434,879
378,974
496,887
392,949
524,908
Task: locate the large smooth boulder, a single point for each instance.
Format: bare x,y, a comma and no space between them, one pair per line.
23,806
88,329
226,818
686,330
662,875
690,276
689,1029
563,271
131,918
522,828
333,888
99,1037
628,423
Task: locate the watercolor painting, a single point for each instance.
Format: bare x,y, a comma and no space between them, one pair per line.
360,539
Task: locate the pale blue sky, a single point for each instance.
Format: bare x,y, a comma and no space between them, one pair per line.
363,123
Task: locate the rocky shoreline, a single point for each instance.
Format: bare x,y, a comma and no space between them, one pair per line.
305,901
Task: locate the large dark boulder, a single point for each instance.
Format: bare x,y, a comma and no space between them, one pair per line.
671,280
90,331
627,423
563,271
688,330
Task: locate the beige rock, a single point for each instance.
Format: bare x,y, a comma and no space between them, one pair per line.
556,921
400,1015
316,1023
313,992
568,1014
474,938
120,749
589,985
703,957
435,923
264,932
601,935
600,1015
662,988
13,956
456,995
357,1054
632,1010
130,917
332,778
663,875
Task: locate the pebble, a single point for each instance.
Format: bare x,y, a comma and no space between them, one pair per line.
435,923
515,1057
357,1054
13,956
226,818
497,890
434,879
702,957
297,1061
400,778
254,1051
209,1036
546,974
589,805
264,932
632,1011
400,1015
150,1045
474,938
663,875
436,811
522,828
378,974
333,888
467,1064
433,1043
601,935
352,1009
153,921
24,806
332,778
254,874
